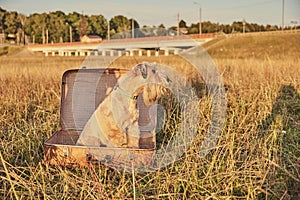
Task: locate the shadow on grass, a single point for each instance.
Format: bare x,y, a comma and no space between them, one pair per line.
284,124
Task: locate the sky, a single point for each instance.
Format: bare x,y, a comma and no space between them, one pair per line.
156,12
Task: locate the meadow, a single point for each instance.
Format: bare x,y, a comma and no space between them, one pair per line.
256,157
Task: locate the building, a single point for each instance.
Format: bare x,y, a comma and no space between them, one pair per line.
183,30
90,38
11,37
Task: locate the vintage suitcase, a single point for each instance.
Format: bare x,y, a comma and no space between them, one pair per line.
82,91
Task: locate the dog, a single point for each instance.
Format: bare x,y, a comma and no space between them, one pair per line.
115,121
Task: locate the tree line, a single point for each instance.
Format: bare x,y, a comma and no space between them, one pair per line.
57,26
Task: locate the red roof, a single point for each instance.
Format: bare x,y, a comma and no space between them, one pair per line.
93,36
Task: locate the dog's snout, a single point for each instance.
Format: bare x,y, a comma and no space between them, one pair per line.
153,71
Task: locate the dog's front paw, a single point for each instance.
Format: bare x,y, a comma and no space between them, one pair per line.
133,142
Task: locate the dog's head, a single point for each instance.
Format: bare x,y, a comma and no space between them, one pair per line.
153,80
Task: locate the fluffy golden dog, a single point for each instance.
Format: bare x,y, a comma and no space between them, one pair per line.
115,122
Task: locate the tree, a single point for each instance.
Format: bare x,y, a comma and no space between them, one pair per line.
98,25
36,25
120,24
161,26
73,20
136,27
58,27
136,24
182,24
32,26
209,27
193,29
226,28
237,26
22,18
262,28
11,22
2,19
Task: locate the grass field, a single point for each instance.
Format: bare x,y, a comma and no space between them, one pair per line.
257,155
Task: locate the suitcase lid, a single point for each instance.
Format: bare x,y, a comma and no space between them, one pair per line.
84,89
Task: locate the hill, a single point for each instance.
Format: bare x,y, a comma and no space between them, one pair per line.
255,45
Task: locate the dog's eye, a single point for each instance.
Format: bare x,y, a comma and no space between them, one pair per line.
153,70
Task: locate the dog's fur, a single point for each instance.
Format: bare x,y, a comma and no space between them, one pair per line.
115,122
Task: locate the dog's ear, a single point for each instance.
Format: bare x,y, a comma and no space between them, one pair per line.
141,69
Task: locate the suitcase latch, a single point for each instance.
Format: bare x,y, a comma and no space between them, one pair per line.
65,152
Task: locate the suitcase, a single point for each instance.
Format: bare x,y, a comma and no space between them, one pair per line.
81,92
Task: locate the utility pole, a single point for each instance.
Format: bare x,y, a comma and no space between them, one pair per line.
244,24
200,17
70,29
282,25
23,19
47,35
200,20
43,35
108,30
132,27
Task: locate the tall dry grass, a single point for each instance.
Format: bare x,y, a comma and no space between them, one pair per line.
257,155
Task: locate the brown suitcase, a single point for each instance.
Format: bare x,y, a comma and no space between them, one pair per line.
82,91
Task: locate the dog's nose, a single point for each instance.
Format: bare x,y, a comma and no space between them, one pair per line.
168,80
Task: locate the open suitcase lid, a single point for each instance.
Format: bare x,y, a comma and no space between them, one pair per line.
84,89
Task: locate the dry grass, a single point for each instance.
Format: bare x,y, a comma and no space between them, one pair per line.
257,156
